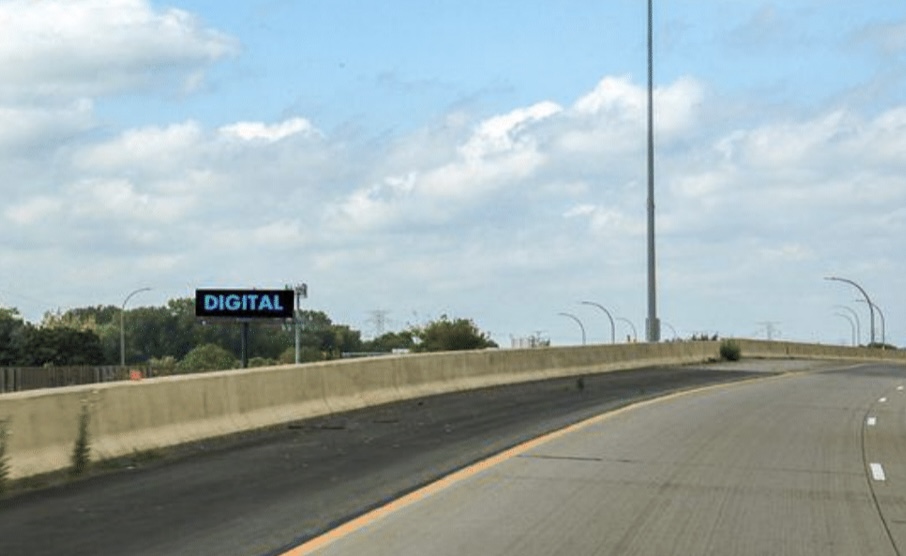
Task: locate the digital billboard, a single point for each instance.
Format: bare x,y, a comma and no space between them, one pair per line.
244,304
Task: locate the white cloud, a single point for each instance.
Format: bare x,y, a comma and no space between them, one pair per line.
542,202
612,118
279,235
29,127
516,158
111,200
616,97
250,131
502,134
149,150
90,47
608,222
889,37
787,252
499,153
34,210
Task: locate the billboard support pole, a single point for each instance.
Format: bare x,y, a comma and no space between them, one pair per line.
244,339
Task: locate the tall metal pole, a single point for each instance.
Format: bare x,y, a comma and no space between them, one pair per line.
244,343
122,327
301,293
575,318
652,326
883,324
635,336
858,324
852,325
871,306
613,329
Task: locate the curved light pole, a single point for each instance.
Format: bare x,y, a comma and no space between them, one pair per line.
613,329
852,325
883,324
122,328
871,309
635,336
670,326
856,318
575,318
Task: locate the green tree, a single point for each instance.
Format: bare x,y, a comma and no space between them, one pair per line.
207,357
390,341
103,320
11,330
158,332
60,346
162,366
444,334
307,354
329,339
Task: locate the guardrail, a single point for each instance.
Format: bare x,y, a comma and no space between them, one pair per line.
125,417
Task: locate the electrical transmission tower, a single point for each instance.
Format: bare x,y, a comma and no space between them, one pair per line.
770,328
378,321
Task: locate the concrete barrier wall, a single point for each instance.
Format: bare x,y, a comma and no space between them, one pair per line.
773,349
126,417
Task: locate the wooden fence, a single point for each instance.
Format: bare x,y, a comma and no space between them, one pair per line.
17,379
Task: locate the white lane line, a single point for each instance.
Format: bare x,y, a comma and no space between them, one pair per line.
877,472
882,400
899,388
872,421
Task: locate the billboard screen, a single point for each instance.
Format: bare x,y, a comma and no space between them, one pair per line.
244,304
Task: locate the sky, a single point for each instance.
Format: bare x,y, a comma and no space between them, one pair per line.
475,159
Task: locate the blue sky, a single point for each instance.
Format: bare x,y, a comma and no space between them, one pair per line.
334,62
463,158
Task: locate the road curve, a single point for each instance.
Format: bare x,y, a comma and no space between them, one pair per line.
801,464
262,492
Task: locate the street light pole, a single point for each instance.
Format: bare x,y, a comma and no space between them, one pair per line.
635,336
575,318
652,325
122,327
871,309
856,317
883,324
673,330
613,329
852,325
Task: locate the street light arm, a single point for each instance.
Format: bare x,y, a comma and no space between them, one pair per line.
122,327
128,297
575,318
855,315
871,309
635,335
883,323
852,325
613,328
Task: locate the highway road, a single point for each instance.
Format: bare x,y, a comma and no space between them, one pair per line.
799,464
775,459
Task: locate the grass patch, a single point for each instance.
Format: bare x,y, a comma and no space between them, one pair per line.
4,456
730,350
81,450
136,459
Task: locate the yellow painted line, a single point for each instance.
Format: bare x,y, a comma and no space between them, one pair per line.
379,513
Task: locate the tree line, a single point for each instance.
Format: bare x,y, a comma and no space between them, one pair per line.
170,339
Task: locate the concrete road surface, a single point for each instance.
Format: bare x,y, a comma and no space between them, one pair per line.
798,464
261,492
